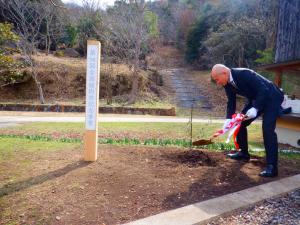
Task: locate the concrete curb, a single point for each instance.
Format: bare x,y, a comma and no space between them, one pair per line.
203,212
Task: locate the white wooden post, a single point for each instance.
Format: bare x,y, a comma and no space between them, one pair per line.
92,100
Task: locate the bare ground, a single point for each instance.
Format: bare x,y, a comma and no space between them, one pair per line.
125,184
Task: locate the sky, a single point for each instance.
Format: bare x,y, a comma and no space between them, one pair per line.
103,3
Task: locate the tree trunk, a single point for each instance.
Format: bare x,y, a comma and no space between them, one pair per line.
41,93
135,78
39,87
49,45
135,86
241,55
288,38
36,81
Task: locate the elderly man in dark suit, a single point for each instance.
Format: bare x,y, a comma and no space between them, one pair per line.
263,98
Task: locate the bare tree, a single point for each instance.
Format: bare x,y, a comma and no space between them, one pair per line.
268,11
125,36
90,17
56,4
52,26
28,17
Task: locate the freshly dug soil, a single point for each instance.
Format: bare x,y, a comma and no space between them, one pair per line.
125,184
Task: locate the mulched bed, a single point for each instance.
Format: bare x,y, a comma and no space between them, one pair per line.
125,184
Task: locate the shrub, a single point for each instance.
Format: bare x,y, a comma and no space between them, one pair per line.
10,70
59,53
266,56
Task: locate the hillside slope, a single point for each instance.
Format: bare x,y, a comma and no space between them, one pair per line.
64,79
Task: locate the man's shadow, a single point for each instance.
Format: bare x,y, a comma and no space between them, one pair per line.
21,185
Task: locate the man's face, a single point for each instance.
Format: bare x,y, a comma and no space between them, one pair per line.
220,78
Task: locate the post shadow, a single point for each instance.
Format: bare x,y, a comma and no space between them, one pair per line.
22,185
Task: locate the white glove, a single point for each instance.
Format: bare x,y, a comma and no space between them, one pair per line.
226,123
251,113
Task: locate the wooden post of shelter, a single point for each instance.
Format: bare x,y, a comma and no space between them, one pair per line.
287,126
278,77
92,100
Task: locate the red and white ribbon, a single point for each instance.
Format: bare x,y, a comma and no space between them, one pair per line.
233,127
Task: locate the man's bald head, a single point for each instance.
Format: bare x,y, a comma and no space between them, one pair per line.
220,73
219,68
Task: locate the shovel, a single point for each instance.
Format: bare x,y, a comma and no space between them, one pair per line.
209,141
203,142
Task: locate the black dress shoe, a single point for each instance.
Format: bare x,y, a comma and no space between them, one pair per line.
269,171
239,156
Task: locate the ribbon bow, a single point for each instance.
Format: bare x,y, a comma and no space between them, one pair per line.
233,127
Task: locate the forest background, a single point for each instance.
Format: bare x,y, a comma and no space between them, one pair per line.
233,32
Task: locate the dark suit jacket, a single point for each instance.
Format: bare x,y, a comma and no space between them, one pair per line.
258,90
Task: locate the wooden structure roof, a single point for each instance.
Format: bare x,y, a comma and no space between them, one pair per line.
279,68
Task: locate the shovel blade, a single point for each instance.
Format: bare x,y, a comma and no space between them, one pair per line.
202,142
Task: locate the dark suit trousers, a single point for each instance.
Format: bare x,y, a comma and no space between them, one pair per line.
271,112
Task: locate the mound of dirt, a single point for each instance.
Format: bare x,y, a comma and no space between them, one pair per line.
192,158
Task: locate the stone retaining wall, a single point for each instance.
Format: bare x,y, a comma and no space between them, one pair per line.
74,108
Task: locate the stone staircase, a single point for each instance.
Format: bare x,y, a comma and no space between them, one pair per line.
185,91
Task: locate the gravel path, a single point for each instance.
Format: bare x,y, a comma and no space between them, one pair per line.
281,210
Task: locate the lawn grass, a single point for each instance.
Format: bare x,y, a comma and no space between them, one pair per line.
48,127
119,132
168,130
14,146
163,131
282,155
177,134
11,147
19,154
